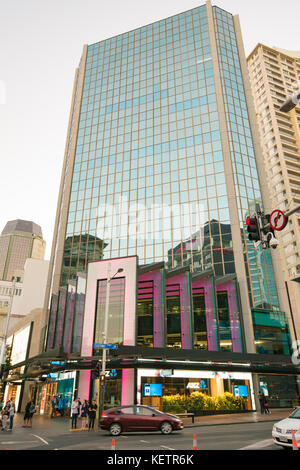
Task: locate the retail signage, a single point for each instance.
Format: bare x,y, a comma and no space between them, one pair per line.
105,346
165,373
240,391
152,390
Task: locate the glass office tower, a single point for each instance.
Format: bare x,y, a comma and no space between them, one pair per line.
160,160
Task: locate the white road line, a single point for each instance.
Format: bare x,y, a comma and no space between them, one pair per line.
259,445
169,448
16,442
124,437
43,440
147,442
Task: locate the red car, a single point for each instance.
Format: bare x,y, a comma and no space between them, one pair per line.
138,418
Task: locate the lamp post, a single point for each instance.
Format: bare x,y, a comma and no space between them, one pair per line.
104,340
4,338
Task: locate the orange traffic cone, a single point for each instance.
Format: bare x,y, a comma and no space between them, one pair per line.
294,442
195,446
113,445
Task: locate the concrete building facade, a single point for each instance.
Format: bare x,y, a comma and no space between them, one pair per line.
275,75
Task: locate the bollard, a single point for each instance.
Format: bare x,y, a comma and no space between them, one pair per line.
195,446
294,442
113,445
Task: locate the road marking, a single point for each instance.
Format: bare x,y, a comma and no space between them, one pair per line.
43,440
124,437
169,448
146,442
16,442
259,445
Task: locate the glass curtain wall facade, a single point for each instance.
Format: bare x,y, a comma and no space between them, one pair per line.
149,139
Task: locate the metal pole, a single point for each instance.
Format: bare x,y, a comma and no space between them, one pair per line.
3,346
101,382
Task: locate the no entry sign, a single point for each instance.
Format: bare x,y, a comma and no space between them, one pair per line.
277,220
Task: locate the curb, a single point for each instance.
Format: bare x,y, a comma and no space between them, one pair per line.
233,422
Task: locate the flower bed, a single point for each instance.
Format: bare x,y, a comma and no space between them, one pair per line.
200,402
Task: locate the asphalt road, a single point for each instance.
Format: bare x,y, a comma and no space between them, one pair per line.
254,436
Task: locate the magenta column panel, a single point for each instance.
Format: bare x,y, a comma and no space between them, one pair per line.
183,279
207,284
235,324
158,318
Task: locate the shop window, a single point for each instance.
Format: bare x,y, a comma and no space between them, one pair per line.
200,332
271,332
116,311
173,316
145,314
224,322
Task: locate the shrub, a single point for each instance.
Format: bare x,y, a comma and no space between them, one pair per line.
200,401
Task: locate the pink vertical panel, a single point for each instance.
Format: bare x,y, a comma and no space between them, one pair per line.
84,385
127,397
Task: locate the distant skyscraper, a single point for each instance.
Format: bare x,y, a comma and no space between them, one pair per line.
20,239
162,123
274,75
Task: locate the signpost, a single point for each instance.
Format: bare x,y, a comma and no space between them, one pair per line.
105,346
277,220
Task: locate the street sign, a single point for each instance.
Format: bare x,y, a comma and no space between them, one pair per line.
277,220
105,346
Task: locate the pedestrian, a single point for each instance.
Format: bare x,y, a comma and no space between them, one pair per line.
266,407
84,414
12,410
53,407
261,398
5,416
60,407
92,414
27,414
75,409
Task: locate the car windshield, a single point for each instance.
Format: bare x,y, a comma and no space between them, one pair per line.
295,414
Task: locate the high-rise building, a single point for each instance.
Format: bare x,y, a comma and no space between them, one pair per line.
19,240
162,166
275,75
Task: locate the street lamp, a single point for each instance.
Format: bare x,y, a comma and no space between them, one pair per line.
4,338
103,362
291,102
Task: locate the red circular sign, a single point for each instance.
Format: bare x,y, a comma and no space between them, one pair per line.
277,220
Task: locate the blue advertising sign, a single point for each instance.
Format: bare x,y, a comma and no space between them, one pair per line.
152,390
105,346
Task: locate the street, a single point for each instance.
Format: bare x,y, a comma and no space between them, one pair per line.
245,436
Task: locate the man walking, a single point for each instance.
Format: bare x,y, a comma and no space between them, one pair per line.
12,410
75,408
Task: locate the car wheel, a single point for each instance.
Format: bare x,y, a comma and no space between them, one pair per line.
115,429
166,427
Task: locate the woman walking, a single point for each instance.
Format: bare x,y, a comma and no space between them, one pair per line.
84,414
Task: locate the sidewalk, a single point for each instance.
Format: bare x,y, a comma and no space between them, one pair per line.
251,417
59,425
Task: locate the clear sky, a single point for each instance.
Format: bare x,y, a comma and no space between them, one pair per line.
41,45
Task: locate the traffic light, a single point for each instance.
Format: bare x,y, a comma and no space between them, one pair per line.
253,228
95,370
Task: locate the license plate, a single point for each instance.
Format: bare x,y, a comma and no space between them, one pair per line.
283,439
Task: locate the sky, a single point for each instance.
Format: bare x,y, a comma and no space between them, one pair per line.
40,47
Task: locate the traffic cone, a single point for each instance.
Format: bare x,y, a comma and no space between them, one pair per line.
294,442
195,446
113,445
